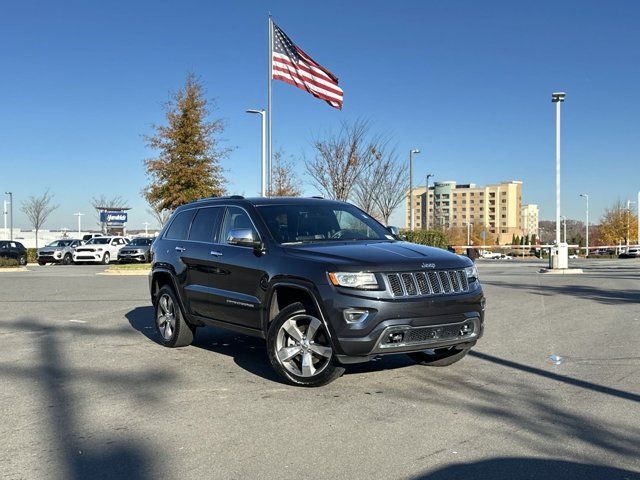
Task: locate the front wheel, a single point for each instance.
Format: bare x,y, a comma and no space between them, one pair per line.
106,259
66,260
41,263
439,357
299,348
22,260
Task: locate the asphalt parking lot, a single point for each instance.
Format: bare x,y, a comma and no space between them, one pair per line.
88,393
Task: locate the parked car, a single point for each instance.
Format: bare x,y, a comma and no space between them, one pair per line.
631,252
139,250
15,250
89,236
59,251
99,250
573,256
321,281
490,255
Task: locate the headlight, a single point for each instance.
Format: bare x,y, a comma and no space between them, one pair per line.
359,280
472,273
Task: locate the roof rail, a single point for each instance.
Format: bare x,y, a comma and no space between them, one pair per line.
317,196
233,197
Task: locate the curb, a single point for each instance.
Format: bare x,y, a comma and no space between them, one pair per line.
125,273
561,271
13,269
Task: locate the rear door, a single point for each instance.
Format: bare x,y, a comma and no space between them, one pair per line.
175,243
200,262
237,274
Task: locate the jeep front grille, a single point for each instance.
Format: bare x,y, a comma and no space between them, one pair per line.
413,284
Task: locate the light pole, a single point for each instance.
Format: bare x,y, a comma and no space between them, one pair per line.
638,204
564,228
263,178
411,152
558,98
11,220
146,229
586,197
469,225
5,214
79,215
426,198
629,202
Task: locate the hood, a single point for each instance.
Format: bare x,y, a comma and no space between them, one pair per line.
380,256
51,249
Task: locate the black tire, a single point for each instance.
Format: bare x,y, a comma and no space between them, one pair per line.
106,258
42,263
439,357
22,260
182,332
67,260
327,367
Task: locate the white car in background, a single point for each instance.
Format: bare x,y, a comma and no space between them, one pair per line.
100,250
490,255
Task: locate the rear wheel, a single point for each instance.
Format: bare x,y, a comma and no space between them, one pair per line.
439,357
300,349
22,260
170,323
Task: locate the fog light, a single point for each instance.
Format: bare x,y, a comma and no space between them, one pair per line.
395,337
355,315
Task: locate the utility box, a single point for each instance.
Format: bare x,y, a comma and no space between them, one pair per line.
559,257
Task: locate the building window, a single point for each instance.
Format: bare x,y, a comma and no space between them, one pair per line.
504,230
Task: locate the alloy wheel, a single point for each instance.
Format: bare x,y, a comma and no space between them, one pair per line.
166,317
302,346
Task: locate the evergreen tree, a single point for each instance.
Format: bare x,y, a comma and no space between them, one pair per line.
188,165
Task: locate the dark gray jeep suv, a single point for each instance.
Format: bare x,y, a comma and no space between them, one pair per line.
323,282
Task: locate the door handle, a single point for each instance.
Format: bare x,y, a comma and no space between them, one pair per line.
216,253
180,249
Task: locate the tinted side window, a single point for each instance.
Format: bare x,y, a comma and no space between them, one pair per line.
205,224
236,218
179,228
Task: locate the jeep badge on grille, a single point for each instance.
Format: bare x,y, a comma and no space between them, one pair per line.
428,265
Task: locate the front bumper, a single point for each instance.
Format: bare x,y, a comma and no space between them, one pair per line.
49,258
132,257
88,256
427,322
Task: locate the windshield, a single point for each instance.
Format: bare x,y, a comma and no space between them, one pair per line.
60,243
320,223
139,242
98,241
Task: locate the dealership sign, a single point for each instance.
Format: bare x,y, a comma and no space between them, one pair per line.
113,217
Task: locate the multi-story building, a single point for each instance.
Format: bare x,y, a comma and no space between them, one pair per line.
530,216
496,208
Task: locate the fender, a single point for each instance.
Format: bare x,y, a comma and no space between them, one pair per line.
174,284
301,284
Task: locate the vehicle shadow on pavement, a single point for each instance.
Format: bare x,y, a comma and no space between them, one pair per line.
249,353
528,469
75,449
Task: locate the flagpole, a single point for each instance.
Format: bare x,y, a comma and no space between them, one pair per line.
270,60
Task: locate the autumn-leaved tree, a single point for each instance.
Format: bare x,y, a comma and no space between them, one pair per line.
188,163
285,182
160,216
618,224
38,209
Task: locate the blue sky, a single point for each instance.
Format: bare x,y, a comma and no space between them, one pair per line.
467,82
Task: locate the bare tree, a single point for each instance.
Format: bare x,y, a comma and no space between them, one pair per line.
340,159
369,182
284,180
392,189
160,215
38,209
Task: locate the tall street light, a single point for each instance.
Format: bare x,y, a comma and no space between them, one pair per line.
469,225
263,178
638,204
11,218
586,197
411,152
629,202
564,225
146,229
426,198
79,215
558,98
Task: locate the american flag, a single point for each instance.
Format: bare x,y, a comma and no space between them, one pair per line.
290,64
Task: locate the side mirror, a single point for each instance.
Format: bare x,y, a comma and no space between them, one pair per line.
243,237
393,230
